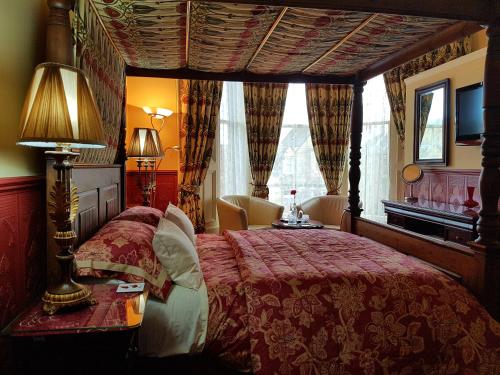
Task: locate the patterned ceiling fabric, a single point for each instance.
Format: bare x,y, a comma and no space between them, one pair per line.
105,70
148,34
223,37
384,35
301,37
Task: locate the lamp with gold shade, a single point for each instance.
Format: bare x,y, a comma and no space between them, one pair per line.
60,112
145,146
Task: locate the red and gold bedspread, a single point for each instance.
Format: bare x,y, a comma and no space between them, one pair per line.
328,302
227,333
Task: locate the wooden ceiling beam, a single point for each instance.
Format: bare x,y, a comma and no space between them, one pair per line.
469,10
270,31
341,42
450,34
237,76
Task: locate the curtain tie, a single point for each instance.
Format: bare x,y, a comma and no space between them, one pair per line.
260,191
189,189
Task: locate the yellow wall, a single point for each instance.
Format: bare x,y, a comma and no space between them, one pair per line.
463,71
22,47
154,92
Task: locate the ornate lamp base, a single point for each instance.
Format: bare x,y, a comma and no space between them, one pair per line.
77,295
62,208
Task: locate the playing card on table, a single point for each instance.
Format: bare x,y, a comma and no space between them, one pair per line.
130,287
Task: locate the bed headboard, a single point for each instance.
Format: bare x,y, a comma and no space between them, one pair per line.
99,191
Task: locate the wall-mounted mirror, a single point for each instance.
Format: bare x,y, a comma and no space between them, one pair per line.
431,123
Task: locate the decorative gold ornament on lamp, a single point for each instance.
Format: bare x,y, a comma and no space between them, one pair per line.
60,112
145,146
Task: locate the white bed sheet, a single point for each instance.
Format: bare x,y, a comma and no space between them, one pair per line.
177,326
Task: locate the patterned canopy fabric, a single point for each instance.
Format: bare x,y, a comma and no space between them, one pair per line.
224,37
105,69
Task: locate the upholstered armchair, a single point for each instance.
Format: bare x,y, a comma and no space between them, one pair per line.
239,212
327,208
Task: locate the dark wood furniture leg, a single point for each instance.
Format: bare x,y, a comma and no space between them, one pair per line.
487,245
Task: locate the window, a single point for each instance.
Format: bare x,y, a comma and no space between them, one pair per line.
234,165
374,184
295,166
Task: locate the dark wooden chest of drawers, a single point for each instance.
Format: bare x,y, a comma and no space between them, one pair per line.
454,223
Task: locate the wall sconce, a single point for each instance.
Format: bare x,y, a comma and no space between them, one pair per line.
158,114
145,146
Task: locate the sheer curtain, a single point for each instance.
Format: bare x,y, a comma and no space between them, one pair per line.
234,165
374,184
295,166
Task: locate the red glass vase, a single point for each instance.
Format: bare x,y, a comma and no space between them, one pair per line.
470,202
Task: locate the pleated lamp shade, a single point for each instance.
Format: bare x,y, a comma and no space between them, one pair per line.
60,110
145,144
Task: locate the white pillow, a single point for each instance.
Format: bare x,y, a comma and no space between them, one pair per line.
178,255
179,218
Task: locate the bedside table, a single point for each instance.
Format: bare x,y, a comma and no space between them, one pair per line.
96,339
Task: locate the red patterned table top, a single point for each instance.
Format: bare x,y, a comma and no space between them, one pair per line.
113,312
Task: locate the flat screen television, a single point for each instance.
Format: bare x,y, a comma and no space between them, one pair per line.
469,123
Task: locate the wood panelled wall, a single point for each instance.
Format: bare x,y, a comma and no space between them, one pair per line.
166,189
22,243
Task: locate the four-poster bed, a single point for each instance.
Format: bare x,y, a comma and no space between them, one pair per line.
360,40
252,31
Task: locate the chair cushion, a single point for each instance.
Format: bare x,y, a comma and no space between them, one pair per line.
327,208
254,227
332,227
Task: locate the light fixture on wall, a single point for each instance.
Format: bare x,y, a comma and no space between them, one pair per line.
60,112
158,114
145,146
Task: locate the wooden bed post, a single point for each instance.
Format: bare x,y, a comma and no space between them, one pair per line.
355,149
487,246
59,46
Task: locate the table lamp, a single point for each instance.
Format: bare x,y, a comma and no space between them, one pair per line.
60,112
145,146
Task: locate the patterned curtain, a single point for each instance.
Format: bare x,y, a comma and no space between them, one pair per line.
199,106
105,70
394,78
425,109
264,109
329,111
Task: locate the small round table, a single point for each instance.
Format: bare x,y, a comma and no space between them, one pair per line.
311,224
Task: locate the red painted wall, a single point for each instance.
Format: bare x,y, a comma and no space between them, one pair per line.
166,189
22,243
